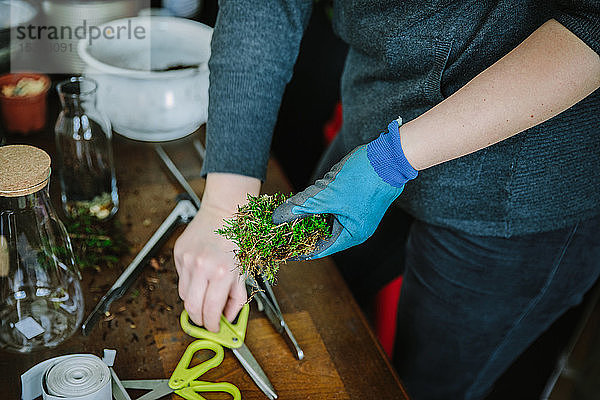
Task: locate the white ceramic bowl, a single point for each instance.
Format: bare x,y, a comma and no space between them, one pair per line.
73,13
143,100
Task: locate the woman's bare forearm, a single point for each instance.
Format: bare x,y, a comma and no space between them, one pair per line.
225,191
546,74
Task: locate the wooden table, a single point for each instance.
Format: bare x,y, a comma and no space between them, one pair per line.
342,357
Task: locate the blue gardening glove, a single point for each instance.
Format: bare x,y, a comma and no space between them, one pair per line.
357,191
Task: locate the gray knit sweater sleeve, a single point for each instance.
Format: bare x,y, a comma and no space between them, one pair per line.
254,47
582,17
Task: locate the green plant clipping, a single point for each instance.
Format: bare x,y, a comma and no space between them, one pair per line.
264,246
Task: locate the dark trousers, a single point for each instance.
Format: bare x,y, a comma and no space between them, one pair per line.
470,305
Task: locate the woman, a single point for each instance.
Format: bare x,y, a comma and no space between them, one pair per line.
497,159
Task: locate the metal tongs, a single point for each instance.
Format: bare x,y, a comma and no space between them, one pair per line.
183,213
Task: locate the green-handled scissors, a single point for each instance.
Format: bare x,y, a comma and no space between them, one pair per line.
183,380
232,336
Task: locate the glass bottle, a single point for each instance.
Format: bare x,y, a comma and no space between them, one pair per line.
41,302
83,140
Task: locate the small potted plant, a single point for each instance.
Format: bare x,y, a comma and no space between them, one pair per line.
23,101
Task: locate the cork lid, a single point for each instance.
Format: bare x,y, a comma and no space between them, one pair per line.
23,170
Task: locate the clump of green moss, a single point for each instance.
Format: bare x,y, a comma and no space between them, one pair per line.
264,246
97,243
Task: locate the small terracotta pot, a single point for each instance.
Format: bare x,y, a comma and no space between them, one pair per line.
23,114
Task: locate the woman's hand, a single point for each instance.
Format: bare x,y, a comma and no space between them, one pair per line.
209,282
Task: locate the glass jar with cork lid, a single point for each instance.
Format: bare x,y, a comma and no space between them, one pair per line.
41,302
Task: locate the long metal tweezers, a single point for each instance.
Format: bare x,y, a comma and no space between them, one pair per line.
183,213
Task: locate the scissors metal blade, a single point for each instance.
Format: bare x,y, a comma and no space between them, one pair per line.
251,366
279,324
267,302
159,387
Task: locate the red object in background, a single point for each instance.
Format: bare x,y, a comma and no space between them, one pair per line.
386,307
333,126
386,301
23,114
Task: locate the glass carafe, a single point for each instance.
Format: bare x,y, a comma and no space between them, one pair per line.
83,141
41,302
